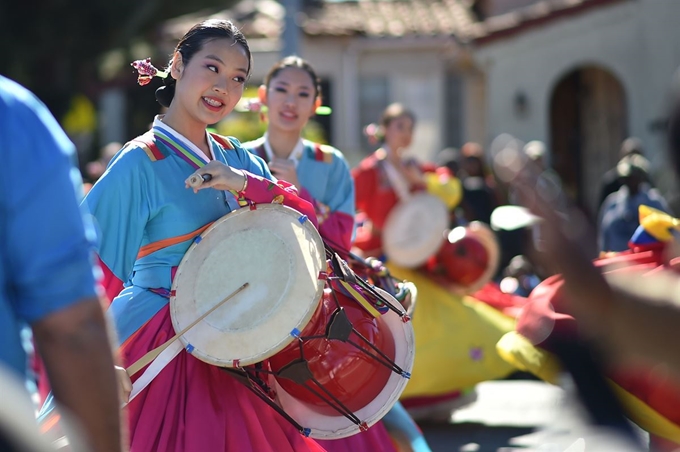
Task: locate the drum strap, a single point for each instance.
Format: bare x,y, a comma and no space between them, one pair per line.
155,368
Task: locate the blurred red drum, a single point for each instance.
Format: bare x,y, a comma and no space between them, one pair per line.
468,258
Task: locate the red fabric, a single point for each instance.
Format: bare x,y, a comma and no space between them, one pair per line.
110,283
374,194
375,198
263,191
334,226
656,388
545,312
544,315
509,304
193,406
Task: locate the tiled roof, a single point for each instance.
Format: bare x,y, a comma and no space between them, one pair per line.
263,19
391,18
377,18
524,18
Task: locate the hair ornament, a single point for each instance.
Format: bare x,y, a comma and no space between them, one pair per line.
374,133
147,71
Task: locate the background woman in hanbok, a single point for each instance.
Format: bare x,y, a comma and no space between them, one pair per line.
455,334
291,94
147,216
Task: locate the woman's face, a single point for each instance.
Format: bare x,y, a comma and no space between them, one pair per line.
290,99
399,133
211,84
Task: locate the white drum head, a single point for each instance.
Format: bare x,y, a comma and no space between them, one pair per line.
414,230
279,254
333,427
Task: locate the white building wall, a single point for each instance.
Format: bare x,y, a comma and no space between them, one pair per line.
637,40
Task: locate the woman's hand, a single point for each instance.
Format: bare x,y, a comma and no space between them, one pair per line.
220,177
125,384
412,173
284,169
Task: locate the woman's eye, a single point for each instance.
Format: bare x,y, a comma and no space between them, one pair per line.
278,89
239,79
212,67
304,94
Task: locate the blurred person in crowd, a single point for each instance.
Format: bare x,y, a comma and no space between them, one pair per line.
386,177
291,94
95,169
46,275
148,215
456,334
519,277
618,218
480,194
612,180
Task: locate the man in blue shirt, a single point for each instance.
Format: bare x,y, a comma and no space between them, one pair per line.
619,214
46,274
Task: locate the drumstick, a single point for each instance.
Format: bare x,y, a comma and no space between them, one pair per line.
150,356
197,179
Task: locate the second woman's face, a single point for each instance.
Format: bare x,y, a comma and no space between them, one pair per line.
211,84
399,133
290,99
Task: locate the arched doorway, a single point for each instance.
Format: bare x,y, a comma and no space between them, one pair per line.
588,122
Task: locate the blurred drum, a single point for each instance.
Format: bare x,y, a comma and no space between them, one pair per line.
414,230
468,258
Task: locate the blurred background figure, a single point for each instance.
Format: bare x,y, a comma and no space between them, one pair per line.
480,194
95,169
519,277
612,179
619,217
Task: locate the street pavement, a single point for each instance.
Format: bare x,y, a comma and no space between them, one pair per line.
520,416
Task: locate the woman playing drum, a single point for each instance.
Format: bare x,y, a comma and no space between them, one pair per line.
456,334
147,217
291,94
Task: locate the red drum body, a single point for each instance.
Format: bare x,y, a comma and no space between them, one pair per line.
340,366
349,364
468,258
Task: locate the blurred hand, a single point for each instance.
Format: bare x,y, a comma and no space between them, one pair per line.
285,169
412,173
567,242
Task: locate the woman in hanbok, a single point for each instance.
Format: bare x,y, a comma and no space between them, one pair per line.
455,334
147,217
291,94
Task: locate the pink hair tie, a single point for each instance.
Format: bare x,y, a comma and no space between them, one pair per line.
147,71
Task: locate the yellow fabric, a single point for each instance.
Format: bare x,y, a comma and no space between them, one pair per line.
444,187
657,223
518,351
455,339
645,416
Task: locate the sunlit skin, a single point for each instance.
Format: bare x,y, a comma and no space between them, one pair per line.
208,88
291,100
398,137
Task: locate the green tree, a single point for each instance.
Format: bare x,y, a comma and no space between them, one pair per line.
55,47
